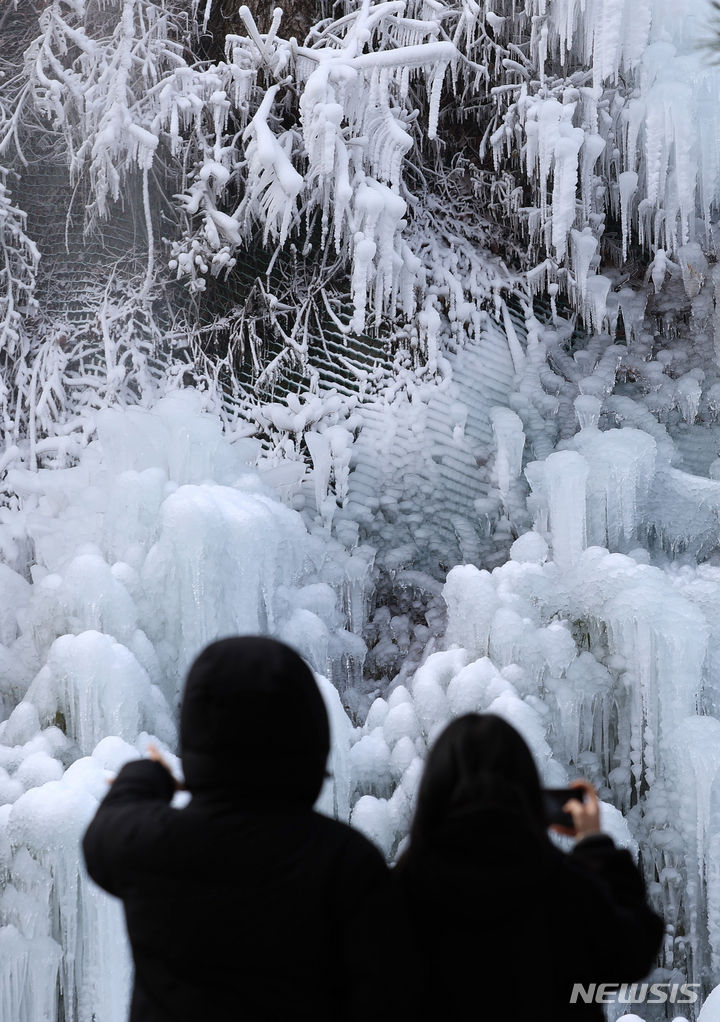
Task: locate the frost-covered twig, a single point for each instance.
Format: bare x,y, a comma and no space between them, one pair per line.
19,258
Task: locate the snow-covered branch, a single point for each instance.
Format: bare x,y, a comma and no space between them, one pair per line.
93,72
19,258
332,126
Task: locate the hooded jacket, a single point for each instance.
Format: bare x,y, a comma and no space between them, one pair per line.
245,904
505,922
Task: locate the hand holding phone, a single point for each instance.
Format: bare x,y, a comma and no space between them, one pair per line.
574,810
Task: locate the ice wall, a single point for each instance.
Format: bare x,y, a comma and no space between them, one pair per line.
165,536
603,661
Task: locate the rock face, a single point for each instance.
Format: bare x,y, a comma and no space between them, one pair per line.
298,18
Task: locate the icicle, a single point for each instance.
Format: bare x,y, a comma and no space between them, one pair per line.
627,183
516,352
587,409
583,247
595,310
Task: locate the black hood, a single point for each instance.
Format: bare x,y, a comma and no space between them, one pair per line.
253,724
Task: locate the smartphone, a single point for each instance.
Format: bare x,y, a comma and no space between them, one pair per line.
554,799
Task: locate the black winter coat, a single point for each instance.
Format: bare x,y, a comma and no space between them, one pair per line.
233,912
506,923
246,904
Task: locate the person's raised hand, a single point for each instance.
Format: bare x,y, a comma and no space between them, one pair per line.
156,756
585,814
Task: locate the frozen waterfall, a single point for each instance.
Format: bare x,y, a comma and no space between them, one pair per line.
164,537
167,535
424,380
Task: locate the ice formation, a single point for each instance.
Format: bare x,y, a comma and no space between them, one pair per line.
165,537
508,506
634,110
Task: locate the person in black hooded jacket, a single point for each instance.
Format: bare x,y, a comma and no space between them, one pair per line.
503,920
245,904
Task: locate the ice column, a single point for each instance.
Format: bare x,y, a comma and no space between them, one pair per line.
715,275
587,410
688,393
566,483
50,902
28,976
471,598
695,762
510,439
621,466
663,639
